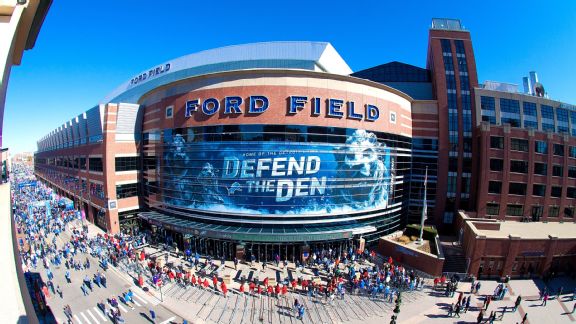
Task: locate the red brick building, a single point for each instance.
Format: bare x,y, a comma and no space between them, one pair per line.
496,248
204,149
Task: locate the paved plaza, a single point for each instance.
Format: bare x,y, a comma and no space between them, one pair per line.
176,302
199,305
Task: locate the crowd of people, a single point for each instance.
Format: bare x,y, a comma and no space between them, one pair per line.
42,219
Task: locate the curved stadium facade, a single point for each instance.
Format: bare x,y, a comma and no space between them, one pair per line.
250,145
279,148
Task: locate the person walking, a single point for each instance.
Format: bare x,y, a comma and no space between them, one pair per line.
457,311
544,300
525,318
504,310
59,291
517,303
480,317
451,310
68,313
152,316
467,305
487,302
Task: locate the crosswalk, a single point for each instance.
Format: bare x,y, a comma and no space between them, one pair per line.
95,315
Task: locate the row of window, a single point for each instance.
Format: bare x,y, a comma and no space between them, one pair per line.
536,212
522,145
520,189
268,133
94,163
510,114
540,168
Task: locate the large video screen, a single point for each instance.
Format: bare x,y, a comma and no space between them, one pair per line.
278,178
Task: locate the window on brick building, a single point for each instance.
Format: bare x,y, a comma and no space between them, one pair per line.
129,163
540,168
518,166
517,188
514,210
126,190
492,209
572,150
495,187
537,212
556,192
518,144
539,190
571,192
571,171
553,211
496,142
557,170
496,164
95,164
569,212
559,149
541,147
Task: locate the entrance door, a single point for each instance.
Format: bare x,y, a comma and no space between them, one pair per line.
537,213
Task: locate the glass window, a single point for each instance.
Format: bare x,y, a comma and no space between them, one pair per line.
519,166
487,103
517,188
559,149
467,165
562,116
572,151
169,111
571,171
448,217
541,147
514,210
529,109
556,192
453,164
530,124
488,108
496,164
547,112
495,187
557,170
569,212
510,112
126,190
553,211
540,168
127,163
492,209
571,192
539,190
518,144
509,106
496,142
547,118
452,184
95,164
446,46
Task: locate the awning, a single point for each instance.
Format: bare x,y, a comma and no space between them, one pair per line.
278,234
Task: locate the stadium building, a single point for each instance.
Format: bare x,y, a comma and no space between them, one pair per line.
279,148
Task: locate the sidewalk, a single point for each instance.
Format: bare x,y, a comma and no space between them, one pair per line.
16,304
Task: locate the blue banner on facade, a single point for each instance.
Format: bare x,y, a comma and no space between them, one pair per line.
279,178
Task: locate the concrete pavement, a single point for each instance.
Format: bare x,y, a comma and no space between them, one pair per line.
16,303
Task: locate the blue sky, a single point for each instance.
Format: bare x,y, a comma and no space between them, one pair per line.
87,48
